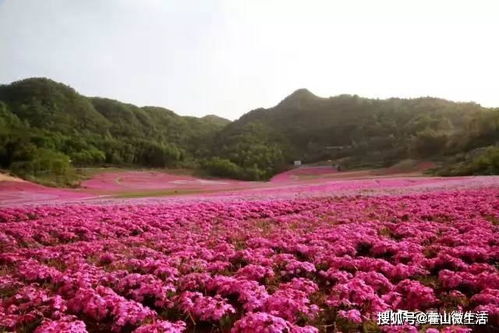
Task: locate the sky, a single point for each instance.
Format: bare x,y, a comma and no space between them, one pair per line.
227,57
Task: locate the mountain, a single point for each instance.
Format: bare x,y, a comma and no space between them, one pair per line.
354,131
49,105
299,99
214,119
47,128
46,125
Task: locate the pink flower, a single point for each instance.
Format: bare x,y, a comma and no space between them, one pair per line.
161,326
271,263
62,326
351,315
203,307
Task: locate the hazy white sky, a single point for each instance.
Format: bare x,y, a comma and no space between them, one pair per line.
201,57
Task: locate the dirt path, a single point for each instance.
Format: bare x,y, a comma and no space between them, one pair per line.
6,178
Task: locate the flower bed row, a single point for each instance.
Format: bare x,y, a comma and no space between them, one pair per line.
309,265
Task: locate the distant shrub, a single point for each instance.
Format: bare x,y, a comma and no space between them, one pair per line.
483,161
88,157
220,167
42,162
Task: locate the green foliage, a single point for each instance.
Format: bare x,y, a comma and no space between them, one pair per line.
46,104
40,115
47,127
427,143
255,148
362,132
42,164
157,155
86,157
222,168
482,161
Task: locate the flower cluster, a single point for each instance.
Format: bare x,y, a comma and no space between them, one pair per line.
288,265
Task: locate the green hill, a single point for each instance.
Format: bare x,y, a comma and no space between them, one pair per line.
47,128
356,131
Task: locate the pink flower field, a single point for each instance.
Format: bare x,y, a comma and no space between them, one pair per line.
277,257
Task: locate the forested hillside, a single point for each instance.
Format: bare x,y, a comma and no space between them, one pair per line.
47,128
360,132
